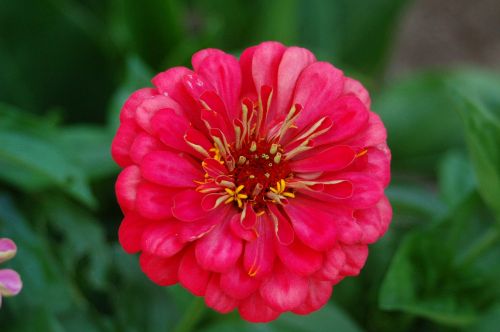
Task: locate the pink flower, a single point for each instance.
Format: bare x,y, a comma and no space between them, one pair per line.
10,282
257,183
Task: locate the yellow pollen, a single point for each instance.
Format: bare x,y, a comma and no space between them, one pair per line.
235,195
361,153
280,189
217,156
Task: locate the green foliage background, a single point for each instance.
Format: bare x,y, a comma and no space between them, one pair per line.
67,66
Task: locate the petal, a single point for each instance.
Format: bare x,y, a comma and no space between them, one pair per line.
294,60
334,261
170,169
134,100
187,205
144,144
317,87
237,283
219,250
195,230
265,63
299,258
355,259
8,249
216,299
162,239
240,231
149,107
374,134
282,227
259,254
126,187
161,270
367,191
122,142
312,223
318,294
191,275
325,160
130,233
10,283
374,221
224,74
349,117
170,128
254,309
283,290
155,202
351,86
247,85
378,165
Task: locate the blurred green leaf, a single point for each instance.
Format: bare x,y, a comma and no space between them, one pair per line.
420,120
29,162
89,147
482,126
488,322
456,178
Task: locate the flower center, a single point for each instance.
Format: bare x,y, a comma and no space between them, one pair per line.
260,167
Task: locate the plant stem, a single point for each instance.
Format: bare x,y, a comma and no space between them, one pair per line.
191,316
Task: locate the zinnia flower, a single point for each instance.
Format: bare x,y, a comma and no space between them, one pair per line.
256,183
10,282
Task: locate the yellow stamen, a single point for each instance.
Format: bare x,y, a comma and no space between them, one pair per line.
236,196
280,192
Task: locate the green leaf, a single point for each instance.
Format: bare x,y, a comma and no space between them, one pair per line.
89,147
29,162
482,125
456,178
420,120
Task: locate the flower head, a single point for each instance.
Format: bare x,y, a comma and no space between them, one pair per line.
10,282
256,183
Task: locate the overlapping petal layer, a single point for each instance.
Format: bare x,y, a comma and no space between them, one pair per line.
10,282
257,183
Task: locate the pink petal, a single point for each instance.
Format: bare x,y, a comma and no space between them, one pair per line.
374,221
200,56
10,283
247,85
130,233
134,100
325,160
256,310
224,74
299,258
379,164
170,128
187,205
318,294
191,275
155,202
294,60
161,270
312,223
367,191
374,134
240,231
170,169
126,187
216,299
259,254
283,290
8,249
351,86
282,227
349,117
237,283
171,82
143,145
149,107
125,136
334,261
199,228
219,250
162,239
317,87
265,63
355,259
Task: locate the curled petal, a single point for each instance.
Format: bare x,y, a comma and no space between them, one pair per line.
122,142
191,275
299,258
318,294
10,283
334,260
170,169
216,299
327,160
187,205
256,310
237,283
143,145
155,202
161,270
162,239
8,249
355,259
259,254
351,86
126,187
129,109
130,233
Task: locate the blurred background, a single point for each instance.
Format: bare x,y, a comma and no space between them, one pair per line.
432,68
